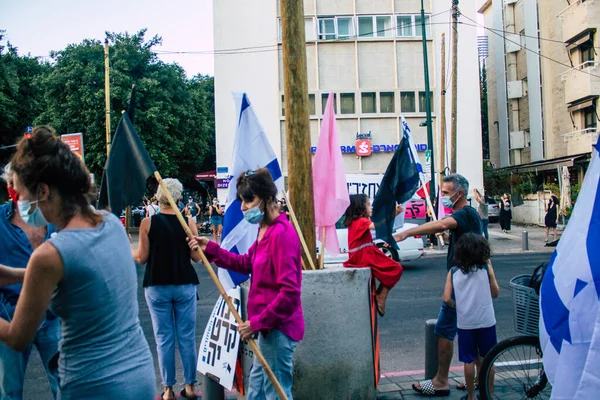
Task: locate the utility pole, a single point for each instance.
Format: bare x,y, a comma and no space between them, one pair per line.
432,186
297,119
107,95
443,109
453,133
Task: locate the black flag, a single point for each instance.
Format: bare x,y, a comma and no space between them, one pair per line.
399,184
127,169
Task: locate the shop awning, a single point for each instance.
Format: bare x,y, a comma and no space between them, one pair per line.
206,176
582,103
546,165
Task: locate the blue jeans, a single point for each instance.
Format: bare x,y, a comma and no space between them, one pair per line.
446,325
13,364
484,226
173,312
278,350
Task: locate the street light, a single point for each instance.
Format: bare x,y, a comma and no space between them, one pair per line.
428,105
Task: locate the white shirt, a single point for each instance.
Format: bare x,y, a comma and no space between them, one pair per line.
474,307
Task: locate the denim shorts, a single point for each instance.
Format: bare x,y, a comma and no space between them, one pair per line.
446,323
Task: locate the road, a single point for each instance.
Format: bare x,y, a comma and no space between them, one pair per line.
415,299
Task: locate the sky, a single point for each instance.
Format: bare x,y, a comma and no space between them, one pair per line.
40,26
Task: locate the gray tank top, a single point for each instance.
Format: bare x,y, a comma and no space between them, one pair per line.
97,304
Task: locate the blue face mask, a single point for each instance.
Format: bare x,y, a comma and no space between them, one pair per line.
254,215
447,201
36,218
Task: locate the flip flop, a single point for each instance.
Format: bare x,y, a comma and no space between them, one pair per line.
185,396
427,389
467,397
381,314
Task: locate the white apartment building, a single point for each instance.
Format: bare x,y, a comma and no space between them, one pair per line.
543,84
368,53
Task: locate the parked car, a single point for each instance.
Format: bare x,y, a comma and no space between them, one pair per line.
493,210
409,249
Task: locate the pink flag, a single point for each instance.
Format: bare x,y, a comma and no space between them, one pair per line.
441,210
329,181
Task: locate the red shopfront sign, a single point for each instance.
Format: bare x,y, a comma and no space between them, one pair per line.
363,148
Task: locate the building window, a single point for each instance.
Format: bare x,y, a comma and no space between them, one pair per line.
407,102
404,25
365,26
368,102
282,107
327,29
345,27
422,103
581,50
384,26
386,102
587,52
309,29
347,103
324,97
312,109
589,118
409,25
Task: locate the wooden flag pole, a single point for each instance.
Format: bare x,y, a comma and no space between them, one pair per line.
300,235
322,258
430,206
221,290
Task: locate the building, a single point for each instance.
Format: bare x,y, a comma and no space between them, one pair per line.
368,53
543,84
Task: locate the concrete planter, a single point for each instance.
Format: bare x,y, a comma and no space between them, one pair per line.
335,359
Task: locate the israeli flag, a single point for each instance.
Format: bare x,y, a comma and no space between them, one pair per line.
569,296
251,150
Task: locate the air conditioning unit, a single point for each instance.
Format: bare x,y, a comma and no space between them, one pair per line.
513,42
515,89
519,140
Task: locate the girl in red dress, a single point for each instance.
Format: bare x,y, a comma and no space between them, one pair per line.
364,253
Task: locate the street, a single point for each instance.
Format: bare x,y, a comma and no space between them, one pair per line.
416,298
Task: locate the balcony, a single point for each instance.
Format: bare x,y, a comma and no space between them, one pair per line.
579,16
579,83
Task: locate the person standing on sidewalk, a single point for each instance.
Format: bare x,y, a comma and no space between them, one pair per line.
464,219
505,213
170,289
19,240
483,210
552,212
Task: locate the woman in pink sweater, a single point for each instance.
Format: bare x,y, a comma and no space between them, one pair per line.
275,262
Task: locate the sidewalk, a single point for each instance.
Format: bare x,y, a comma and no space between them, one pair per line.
511,242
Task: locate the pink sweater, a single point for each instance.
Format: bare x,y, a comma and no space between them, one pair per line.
276,267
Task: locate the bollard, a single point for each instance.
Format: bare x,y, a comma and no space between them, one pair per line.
525,240
211,390
431,349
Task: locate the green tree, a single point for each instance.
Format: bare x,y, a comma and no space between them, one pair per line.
20,94
173,115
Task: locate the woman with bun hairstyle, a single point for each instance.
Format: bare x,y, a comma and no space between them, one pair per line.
85,274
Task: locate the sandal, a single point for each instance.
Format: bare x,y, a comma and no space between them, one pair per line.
463,386
427,389
185,396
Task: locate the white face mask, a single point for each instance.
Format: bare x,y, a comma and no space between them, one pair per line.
36,218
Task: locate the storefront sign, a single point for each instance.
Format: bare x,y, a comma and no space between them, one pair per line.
217,357
222,183
363,147
363,184
375,148
75,143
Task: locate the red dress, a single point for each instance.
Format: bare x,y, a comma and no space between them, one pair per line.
385,270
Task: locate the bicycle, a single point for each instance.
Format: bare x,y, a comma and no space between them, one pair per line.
513,368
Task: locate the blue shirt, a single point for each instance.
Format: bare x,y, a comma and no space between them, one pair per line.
15,249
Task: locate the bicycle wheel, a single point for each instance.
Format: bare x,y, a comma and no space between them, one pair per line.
513,369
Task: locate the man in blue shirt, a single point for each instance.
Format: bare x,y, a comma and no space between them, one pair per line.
18,240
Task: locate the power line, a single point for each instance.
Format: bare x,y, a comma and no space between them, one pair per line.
533,51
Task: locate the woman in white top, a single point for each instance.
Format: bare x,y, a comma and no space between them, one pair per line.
470,286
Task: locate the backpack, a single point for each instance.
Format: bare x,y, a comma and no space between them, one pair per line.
536,278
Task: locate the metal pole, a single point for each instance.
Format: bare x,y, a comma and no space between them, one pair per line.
453,131
525,240
428,105
211,390
443,108
431,349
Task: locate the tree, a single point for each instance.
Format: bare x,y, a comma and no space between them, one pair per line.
174,116
20,95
